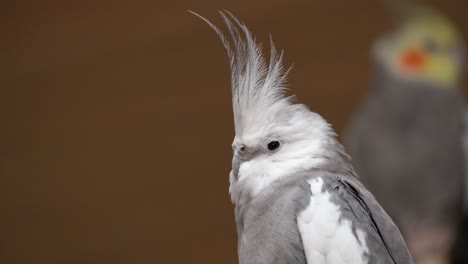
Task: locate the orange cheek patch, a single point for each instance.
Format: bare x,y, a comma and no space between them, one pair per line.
412,59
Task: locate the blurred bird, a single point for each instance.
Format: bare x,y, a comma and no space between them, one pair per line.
297,199
406,139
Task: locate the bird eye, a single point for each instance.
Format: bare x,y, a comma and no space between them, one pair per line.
273,145
430,45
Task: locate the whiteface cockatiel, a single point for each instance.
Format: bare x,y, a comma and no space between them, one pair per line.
297,198
406,139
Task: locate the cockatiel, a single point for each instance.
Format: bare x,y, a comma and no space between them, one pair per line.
406,138
297,199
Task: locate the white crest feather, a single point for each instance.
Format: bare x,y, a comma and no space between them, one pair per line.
258,89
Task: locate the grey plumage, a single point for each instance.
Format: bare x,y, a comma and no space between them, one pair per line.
406,137
297,200
406,143
274,238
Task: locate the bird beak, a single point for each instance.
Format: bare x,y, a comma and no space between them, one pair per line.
241,154
236,162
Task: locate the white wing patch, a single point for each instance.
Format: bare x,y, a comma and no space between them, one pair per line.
327,239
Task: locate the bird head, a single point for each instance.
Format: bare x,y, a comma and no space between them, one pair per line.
274,136
425,48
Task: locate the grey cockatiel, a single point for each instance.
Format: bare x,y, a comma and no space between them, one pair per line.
406,138
297,199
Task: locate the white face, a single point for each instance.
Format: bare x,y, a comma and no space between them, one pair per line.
265,154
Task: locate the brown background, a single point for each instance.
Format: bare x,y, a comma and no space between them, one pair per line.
117,124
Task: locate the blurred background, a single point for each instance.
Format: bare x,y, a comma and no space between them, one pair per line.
117,122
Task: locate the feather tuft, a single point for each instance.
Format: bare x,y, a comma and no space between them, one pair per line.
258,88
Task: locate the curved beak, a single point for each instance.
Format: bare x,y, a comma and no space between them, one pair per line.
236,162
242,154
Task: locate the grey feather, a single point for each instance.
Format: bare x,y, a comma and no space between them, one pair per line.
406,144
359,205
267,227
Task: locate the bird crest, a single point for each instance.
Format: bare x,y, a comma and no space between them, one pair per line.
258,87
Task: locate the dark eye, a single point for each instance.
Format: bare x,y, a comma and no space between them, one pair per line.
430,45
273,145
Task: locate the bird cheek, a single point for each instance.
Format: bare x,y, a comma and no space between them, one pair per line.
443,70
412,59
